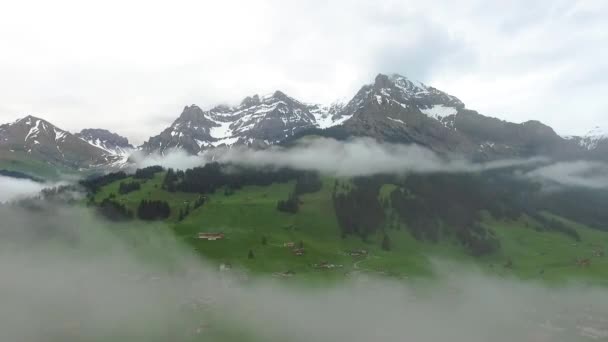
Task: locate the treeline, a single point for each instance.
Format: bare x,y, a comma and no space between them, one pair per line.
582,205
150,210
434,205
114,211
93,184
359,211
290,205
306,182
213,176
147,172
127,187
555,225
19,175
451,204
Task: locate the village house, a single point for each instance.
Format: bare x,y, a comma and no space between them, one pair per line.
298,251
289,244
326,265
286,274
358,253
211,236
584,262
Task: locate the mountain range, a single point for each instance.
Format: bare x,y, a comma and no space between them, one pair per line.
392,108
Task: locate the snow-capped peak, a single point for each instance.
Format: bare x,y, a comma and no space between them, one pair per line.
110,142
592,139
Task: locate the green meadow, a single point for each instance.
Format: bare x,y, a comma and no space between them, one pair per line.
256,234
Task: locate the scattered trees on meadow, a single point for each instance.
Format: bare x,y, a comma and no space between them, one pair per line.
153,210
114,211
127,187
147,172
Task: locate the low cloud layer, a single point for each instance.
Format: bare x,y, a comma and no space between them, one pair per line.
357,157
86,280
579,173
13,188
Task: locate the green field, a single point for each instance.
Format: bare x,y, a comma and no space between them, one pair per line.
18,161
249,215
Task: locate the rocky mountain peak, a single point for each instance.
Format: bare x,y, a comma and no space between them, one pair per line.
251,101
108,141
593,139
34,137
192,112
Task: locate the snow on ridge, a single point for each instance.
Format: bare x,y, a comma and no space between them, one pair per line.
591,140
33,133
439,111
221,132
396,120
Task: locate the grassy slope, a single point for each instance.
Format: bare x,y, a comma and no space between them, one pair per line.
20,162
250,213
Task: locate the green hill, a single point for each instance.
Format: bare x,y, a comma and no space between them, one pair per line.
258,237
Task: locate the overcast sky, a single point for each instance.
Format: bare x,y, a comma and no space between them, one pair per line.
131,66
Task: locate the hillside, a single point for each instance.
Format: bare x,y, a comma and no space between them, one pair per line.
256,234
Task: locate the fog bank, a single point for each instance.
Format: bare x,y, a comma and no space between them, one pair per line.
69,276
15,188
355,157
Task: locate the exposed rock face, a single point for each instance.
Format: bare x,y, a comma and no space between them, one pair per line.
392,108
257,121
106,140
38,139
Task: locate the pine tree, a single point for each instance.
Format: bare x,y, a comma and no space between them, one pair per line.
386,243
264,241
250,255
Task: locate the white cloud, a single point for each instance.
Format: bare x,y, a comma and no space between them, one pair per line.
578,173
356,157
13,188
131,66
104,285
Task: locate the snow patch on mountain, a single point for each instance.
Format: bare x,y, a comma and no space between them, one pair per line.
439,111
591,140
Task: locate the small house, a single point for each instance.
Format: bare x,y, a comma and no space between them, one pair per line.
285,274
289,244
298,251
358,253
211,236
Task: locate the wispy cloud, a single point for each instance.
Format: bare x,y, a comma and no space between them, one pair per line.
356,157
104,285
578,173
13,188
